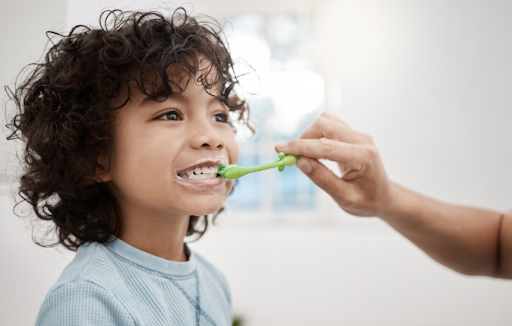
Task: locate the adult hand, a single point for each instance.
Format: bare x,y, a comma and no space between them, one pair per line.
364,188
469,240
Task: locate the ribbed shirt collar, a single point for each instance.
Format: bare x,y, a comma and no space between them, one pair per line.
149,261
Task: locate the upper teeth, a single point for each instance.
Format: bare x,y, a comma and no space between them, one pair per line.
200,173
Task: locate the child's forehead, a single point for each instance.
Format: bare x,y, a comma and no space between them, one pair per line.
177,76
154,91
169,81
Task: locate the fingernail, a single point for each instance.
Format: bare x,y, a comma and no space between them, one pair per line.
304,166
282,147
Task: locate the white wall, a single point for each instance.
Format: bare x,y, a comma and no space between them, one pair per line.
430,80
26,271
23,25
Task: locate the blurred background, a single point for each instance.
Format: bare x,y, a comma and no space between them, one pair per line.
430,80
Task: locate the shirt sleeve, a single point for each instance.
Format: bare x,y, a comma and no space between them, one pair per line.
82,303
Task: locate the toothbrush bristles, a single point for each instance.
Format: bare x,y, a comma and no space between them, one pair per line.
233,171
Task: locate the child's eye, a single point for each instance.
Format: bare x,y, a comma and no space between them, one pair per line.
171,115
220,117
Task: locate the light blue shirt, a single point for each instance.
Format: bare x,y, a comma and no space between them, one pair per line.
117,284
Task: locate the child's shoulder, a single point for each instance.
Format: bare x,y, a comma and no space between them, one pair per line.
89,287
90,265
92,270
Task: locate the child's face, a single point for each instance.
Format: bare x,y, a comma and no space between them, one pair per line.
158,144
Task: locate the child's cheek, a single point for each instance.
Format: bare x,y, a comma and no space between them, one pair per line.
234,153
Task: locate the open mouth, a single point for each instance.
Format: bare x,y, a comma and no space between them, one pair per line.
200,173
201,170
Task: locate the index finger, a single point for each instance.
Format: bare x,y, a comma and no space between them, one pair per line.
324,127
323,148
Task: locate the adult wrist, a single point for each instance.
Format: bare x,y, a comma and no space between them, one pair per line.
400,204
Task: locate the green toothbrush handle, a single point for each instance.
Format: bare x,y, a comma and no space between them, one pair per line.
234,172
288,160
284,160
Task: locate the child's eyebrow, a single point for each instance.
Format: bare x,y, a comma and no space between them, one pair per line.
176,96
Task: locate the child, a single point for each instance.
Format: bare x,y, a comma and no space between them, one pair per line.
124,129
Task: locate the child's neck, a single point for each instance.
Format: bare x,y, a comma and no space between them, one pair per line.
163,238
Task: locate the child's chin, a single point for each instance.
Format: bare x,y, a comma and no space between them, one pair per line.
202,209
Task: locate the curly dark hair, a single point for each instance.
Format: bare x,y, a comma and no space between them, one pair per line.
65,121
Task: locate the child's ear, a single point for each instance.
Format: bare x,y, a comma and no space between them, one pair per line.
102,173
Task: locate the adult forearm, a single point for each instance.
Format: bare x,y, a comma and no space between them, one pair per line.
462,238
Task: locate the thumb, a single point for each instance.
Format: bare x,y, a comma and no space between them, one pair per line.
322,176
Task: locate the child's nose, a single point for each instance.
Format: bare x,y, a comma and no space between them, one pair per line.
206,137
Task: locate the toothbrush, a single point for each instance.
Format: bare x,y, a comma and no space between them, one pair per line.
234,171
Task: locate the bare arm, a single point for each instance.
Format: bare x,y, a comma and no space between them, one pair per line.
469,240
